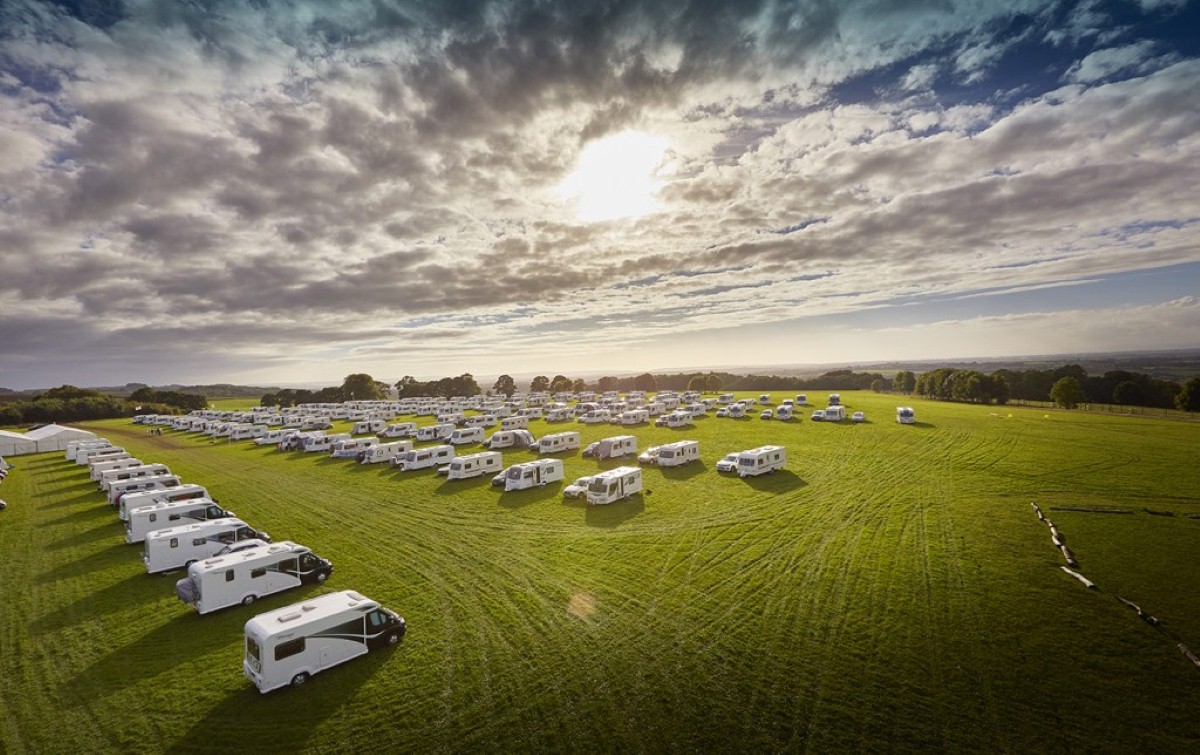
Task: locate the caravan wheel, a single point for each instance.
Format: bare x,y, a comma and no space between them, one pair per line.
299,679
249,600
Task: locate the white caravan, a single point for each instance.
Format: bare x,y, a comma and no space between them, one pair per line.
245,576
423,458
555,442
270,437
73,447
655,408
434,432
784,412
131,501
801,399
157,482
736,411
905,415
475,465
514,423
249,432
533,473
322,443
99,468
678,453
634,417
399,430
835,399
88,455
614,485
143,520
350,448
725,399
465,435
762,460
368,427
616,446
177,547
559,414
510,439
764,399
675,419
595,417
290,644
835,413
384,451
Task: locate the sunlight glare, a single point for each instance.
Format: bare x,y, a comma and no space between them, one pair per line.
616,177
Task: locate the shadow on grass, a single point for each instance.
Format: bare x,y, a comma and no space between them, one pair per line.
517,499
300,711
118,554
612,515
924,425
118,597
95,495
684,472
781,481
103,532
453,487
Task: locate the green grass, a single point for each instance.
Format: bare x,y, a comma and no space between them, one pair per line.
892,589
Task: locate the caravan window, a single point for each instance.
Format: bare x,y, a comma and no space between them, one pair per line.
154,517
288,649
198,541
256,573
174,542
286,566
229,575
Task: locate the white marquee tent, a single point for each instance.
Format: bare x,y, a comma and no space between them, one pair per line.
15,444
56,437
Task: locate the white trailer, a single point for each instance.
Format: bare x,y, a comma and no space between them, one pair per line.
399,430
905,415
245,576
510,439
835,413
678,453
514,423
290,644
736,411
634,416
616,446
423,458
350,448
166,495
383,451
614,485
556,442
177,547
533,473
157,482
464,435
142,520
293,440
655,408
99,468
761,460
675,419
475,465
368,427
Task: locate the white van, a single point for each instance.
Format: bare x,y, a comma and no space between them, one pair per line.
352,447
249,432
533,473
761,460
143,520
383,451
801,399
119,489
423,458
132,501
616,446
595,417
614,485
905,415
290,644
678,453
465,435
835,399
247,575
784,412
177,547
556,442
475,465
514,423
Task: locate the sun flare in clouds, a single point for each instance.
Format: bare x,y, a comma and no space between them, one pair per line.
616,177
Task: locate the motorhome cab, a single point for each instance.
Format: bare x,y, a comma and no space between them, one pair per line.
368,427
762,460
322,443
616,446
399,430
245,576
475,465
465,435
159,516
533,473
177,547
99,468
614,485
423,458
351,448
290,644
905,415
119,489
510,439
132,501
678,453
129,473
555,442
383,451
835,413
514,423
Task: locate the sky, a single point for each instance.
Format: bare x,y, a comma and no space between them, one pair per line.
279,193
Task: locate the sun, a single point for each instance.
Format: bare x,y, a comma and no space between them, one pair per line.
616,177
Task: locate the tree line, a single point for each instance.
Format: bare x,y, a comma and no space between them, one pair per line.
70,404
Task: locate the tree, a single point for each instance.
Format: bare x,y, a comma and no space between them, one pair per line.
361,387
713,383
465,385
1067,392
269,399
904,382
877,386
560,383
506,385
607,383
579,385
408,387
539,384
1128,393
1188,399
645,382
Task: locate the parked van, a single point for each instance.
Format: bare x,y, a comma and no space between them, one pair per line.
177,547
905,415
784,412
132,501
290,644
383,451
762,460
678,453
247,575
350,448
533,473
142,520
616,446
100,467
510,439
423,458
556,442
159,482
614,485
475,465
399,430
464,435
801,399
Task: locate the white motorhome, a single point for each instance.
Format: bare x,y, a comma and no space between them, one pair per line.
784,412
835,413
177,547
350,448
559,414
678,453
614,485
157,482
293,440
290,644
555,442
514,423
245,576
74,446
131,501
441,431
423,458
675,419
655,408
464,435
249,432
399,430
764,399
142,520
725,399
270,437
322,443
801,399
99,468
835,399
510,439
383,451
616,446
761,460
595,417
533,473
475,465
88,455
905,415
634,416
736,411
368,426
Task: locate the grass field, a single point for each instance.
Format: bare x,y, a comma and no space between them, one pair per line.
891,590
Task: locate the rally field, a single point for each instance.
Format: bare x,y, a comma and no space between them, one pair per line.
891,589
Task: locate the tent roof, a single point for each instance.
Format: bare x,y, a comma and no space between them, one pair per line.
11,434
50,431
